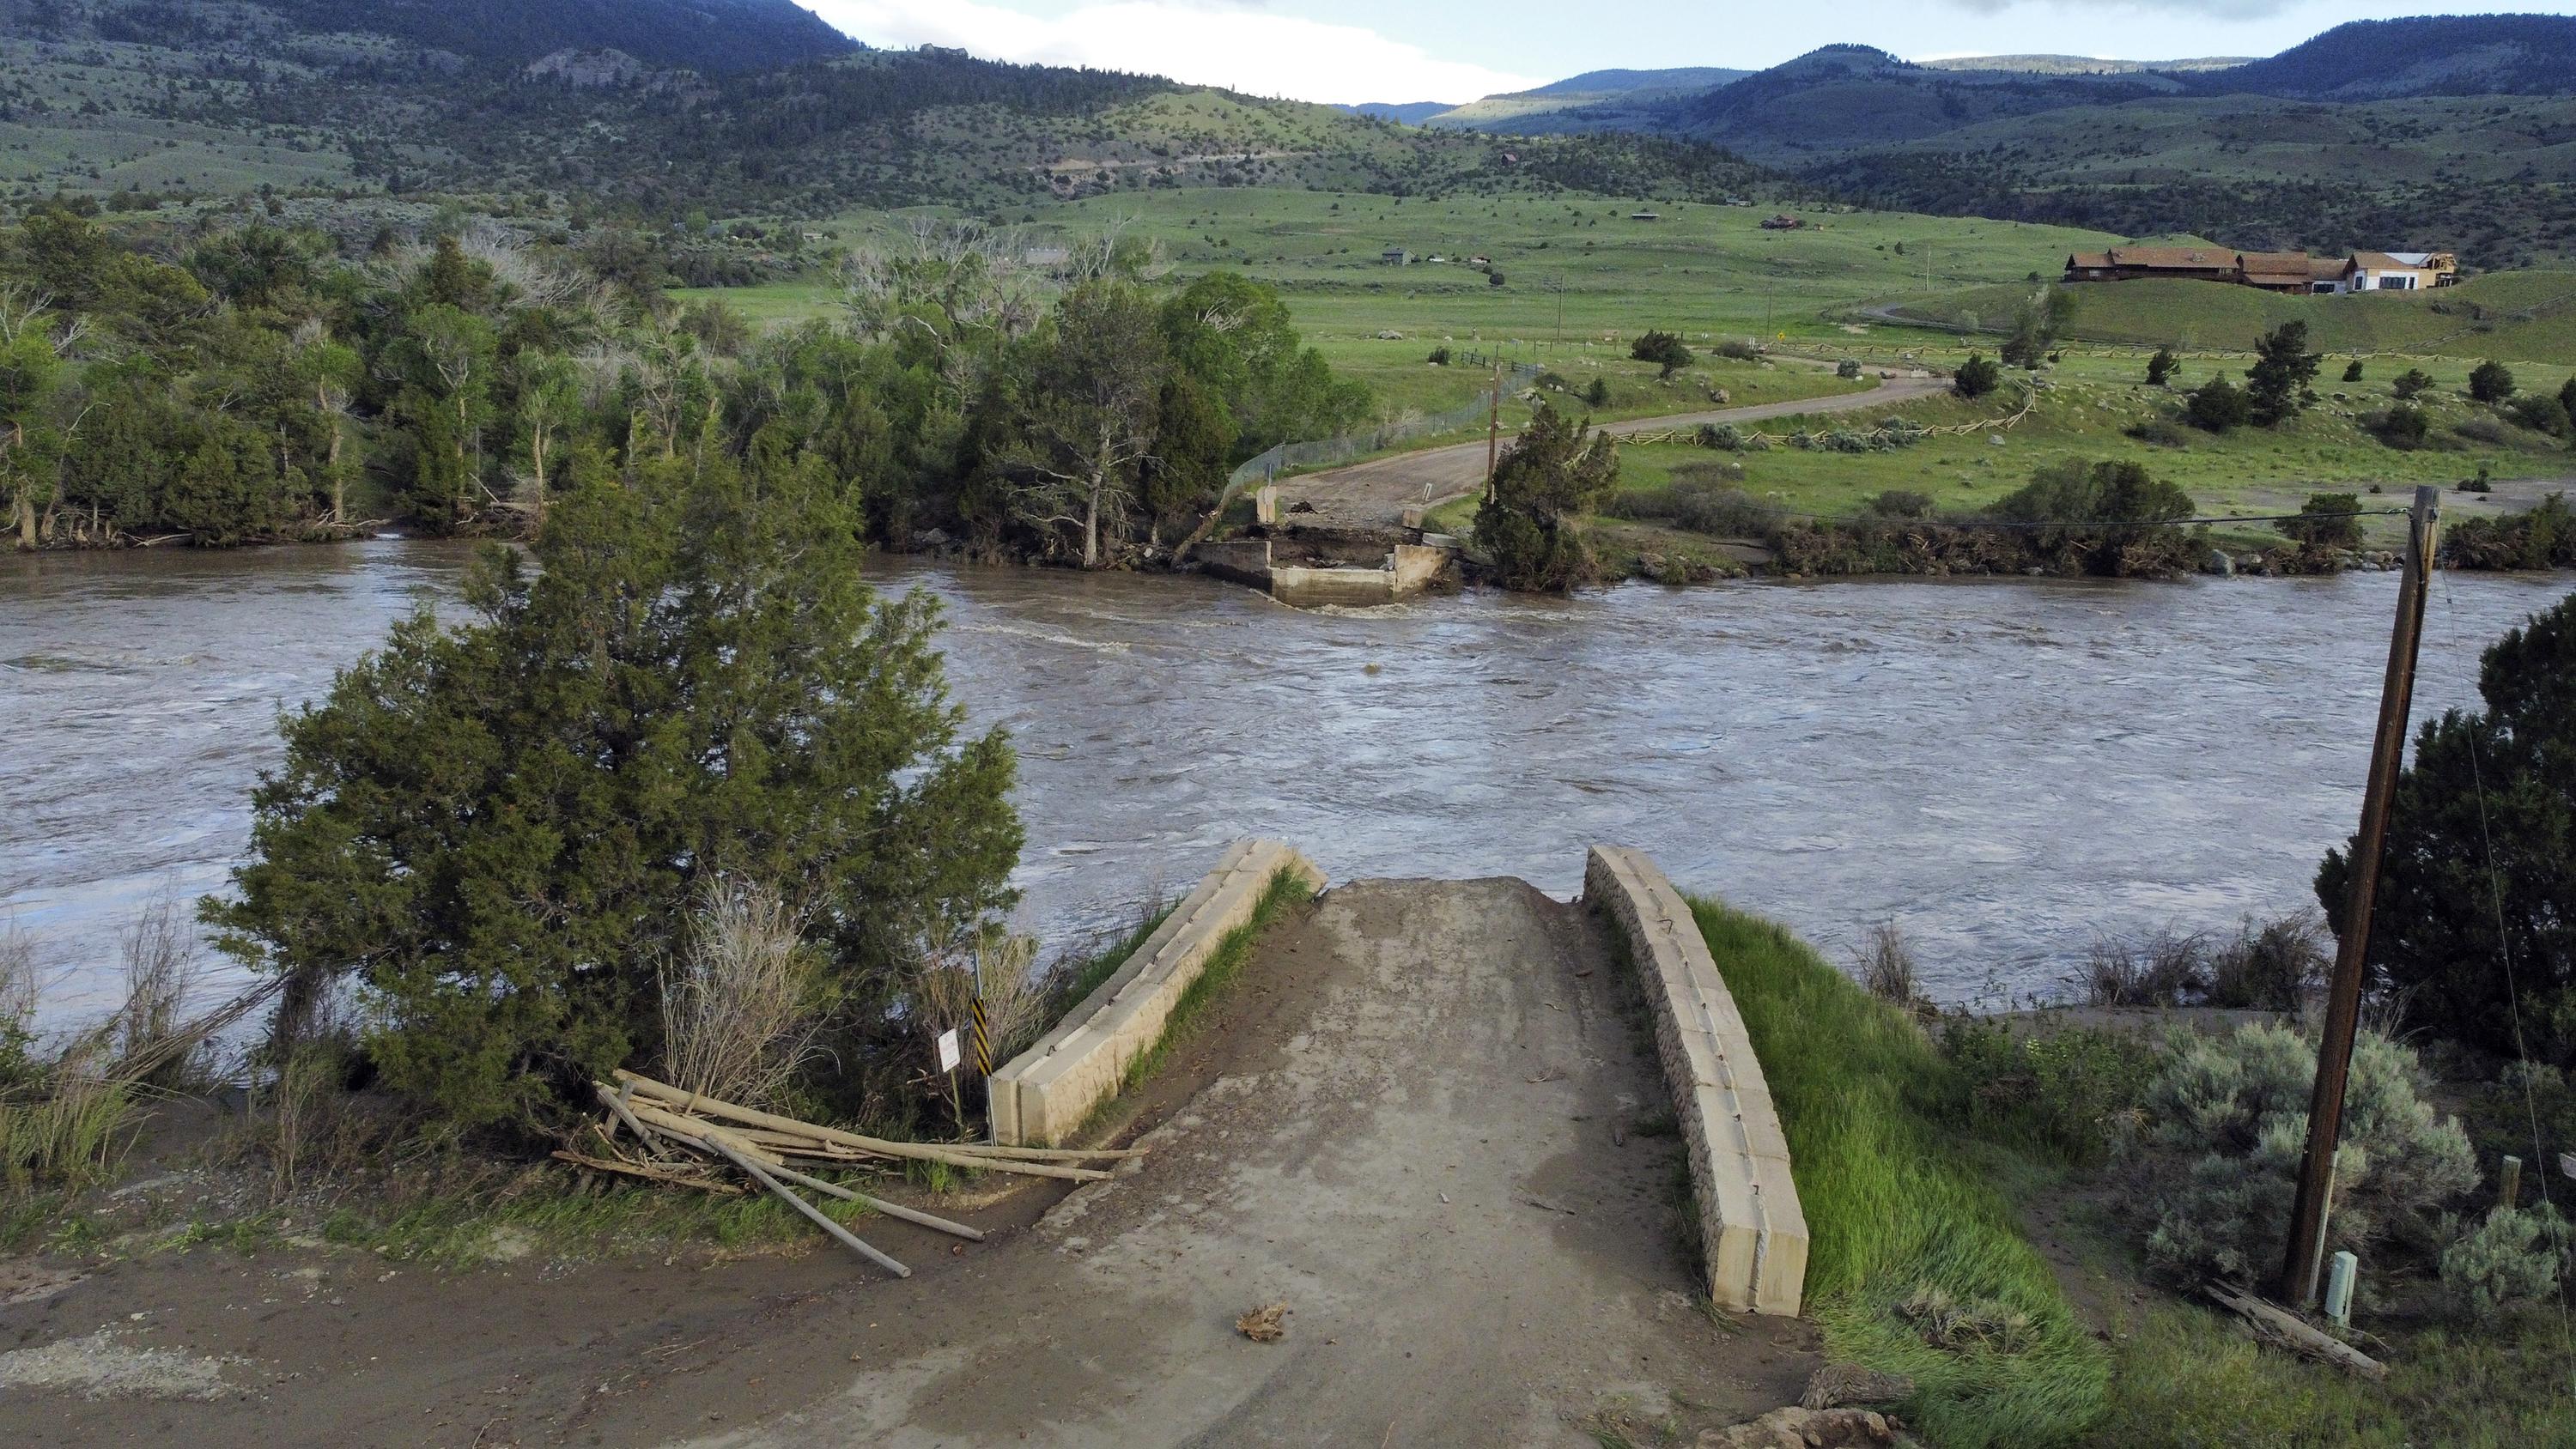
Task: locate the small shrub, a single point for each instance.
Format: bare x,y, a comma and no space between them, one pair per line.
2166,969
1598,394
1664,349
2217,406
1845,440
2489,431
1439,357
2229,1114
2159,433
1902,503
2491,382
2403,427
2410,383
2326,520
1847,369
1738,350
741,1002
2271,966
2542,414
2160,368
1887,966
2352,370
2073,1091
1976,377
2513,1256
1554,381
1722,437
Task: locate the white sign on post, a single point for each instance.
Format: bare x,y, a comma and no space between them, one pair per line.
949,1055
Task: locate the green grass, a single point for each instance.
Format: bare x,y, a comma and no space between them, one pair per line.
2518,316
2086,414
1897,1201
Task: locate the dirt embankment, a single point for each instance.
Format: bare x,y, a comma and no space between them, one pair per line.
1423,1120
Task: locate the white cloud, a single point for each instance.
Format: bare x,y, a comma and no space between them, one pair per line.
1221,45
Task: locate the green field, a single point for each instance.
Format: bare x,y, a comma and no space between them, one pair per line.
2519,316
1711,272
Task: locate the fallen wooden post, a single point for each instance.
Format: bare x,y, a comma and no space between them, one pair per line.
848,1238
2290,1332
890,1209
992,1159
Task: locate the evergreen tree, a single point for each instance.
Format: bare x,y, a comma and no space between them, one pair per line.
2491,382
1976,377
1556,471
2276,386
497,829
2160,368
2476,912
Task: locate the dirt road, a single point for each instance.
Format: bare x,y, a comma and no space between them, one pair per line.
1422,1120
1376,494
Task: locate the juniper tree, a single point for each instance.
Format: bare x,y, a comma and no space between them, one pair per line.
2276,386
2479,876
1556,471
496,830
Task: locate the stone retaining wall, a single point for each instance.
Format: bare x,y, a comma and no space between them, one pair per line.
1044,1093
1753,1233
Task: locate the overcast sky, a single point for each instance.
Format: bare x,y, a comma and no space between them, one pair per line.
1456,50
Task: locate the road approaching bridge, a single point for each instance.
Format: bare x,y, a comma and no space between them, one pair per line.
1433,1126
1375,494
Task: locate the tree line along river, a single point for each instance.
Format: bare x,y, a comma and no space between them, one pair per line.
2004,769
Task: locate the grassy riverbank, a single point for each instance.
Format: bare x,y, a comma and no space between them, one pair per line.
1903,1207
1974,1229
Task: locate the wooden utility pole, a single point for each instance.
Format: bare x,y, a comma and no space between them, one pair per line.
1494,432
2306,1253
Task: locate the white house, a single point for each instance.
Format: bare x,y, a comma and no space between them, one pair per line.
2393,272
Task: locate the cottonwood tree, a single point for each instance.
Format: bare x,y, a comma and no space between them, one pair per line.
31,374
1092,405
496,830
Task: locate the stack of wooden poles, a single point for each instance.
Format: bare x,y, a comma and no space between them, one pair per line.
760,1145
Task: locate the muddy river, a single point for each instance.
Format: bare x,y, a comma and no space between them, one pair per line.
2003,769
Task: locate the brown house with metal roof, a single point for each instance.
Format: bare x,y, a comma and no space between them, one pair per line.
2296,272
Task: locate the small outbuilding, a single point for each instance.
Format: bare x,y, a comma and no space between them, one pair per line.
1395,257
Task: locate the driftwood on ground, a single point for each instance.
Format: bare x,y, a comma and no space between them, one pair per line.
760,1144
2286,1329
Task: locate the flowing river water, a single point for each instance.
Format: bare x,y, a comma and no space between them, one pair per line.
2004,769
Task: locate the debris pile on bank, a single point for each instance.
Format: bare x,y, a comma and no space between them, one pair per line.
687,1139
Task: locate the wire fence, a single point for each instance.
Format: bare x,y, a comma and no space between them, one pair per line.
1325,452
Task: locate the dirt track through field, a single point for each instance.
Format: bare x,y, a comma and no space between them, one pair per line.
1375,494
1422,1119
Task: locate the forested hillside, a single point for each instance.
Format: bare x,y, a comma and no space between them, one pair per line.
706,35
108,100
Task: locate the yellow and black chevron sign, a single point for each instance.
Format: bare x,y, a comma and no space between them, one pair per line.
983,1040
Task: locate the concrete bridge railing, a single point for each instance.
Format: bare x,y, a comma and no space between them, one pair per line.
1040,1096
1754,1234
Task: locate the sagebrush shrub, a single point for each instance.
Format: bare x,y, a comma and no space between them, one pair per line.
2230,1113
2514,1256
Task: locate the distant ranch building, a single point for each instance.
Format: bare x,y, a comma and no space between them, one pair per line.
2289,272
